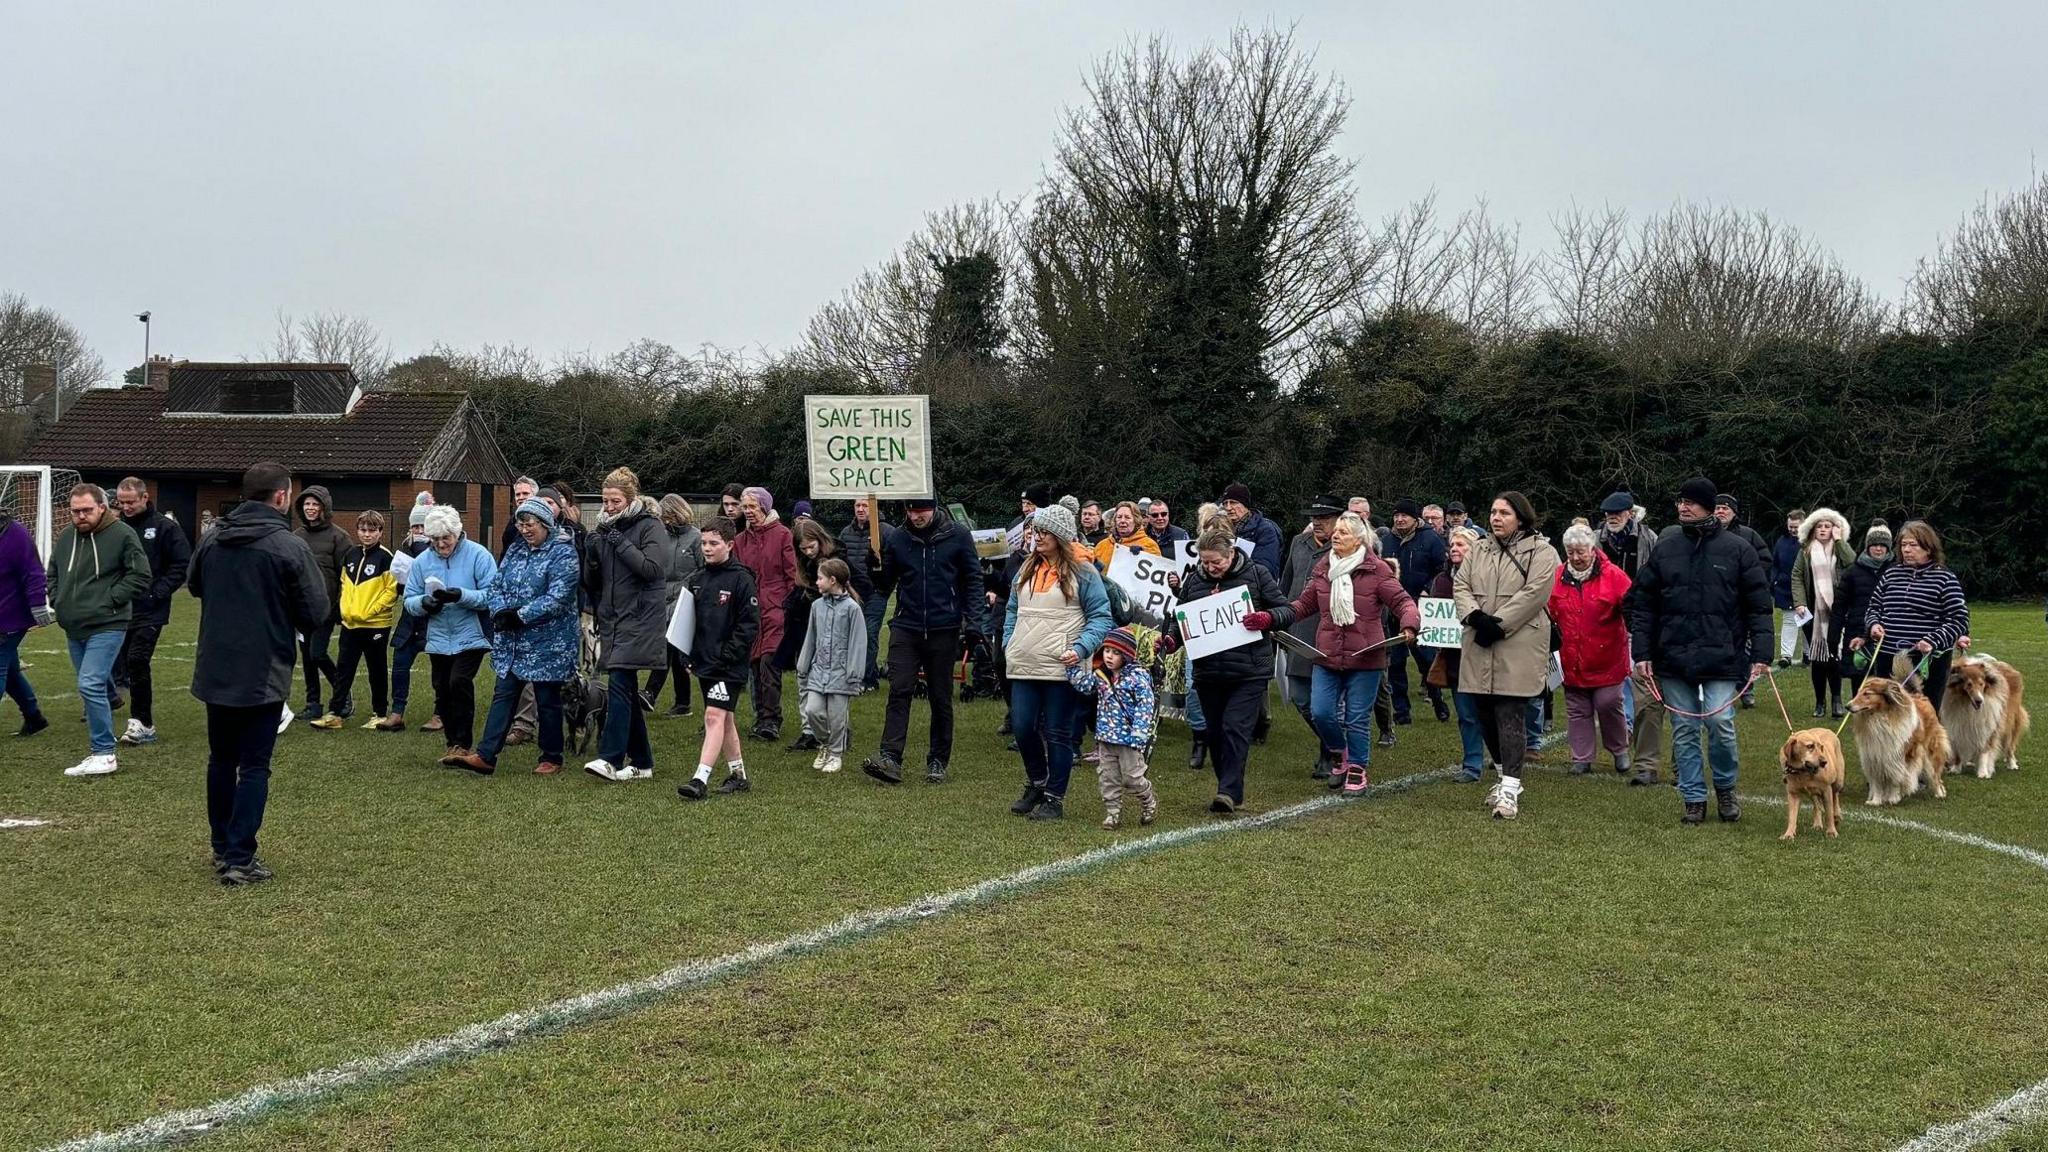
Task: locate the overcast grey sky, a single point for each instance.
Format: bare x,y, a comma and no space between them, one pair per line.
574,177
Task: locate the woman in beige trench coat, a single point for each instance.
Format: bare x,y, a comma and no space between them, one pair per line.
1501,592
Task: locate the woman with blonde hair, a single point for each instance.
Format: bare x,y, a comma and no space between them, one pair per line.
1825,559
1057,617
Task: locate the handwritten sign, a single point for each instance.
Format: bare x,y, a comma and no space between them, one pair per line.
869,445
1440,627
682,623
1216,623
1143,578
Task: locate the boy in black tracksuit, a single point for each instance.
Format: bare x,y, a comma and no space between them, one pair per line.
728,613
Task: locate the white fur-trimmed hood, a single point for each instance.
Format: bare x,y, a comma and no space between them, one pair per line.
1823,515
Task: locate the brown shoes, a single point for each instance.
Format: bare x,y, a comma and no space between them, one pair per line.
546,768
464,758
433,724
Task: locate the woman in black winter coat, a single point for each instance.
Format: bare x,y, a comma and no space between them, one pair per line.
625,573
1232,683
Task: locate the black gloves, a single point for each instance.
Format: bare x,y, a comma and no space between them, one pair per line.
507,620
446,595
1485,629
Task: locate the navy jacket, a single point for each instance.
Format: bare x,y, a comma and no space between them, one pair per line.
1421,557
1701,607
258,585
935,575
1265,538
1784,554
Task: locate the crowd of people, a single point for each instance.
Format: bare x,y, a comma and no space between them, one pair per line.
1639,628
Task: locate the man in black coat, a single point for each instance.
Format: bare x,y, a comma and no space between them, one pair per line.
1728,510
164,543
1419,555
1700,616
258,586
930,565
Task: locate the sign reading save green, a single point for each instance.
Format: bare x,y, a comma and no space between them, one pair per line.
869,446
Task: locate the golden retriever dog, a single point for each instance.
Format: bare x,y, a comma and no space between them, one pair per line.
1899,741
1812,759
1985,712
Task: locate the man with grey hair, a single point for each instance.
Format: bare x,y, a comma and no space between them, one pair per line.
1433,516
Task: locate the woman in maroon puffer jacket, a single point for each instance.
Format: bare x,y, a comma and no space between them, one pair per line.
1349,591
1586,605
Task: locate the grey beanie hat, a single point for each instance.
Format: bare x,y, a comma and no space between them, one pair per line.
537,508
1071,504
417,518
1056,521
1878,533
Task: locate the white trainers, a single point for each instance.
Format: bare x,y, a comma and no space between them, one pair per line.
631,773
833,762
603,768
1493,794
818,761
285,721
1508,804
100,765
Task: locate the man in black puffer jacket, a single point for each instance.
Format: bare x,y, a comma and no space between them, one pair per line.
930,565
1231,683
164,543
1700,613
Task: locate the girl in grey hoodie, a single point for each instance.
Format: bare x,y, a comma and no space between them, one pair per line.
833,661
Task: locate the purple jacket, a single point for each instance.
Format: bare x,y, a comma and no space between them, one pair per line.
21,577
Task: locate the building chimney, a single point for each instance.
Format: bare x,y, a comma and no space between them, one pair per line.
158,377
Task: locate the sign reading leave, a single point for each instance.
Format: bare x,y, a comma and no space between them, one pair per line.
863,446
1216,623
1440,627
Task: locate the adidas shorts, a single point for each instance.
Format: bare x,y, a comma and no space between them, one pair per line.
723,695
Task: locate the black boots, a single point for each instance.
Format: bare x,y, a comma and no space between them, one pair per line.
1726,806
1029,800
1198,755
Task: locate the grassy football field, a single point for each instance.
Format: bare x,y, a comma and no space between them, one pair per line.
1395,971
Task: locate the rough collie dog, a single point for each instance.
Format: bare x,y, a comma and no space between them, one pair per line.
1899,741
1985,712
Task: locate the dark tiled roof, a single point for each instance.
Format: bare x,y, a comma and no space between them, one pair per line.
388,434
322,388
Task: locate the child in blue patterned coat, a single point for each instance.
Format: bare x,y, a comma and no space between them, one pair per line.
1126,716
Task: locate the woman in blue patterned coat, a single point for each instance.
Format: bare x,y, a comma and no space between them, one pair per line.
532,603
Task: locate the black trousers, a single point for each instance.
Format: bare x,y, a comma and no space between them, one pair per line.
677,672
365,645
239,742
1397,677
934,654
455,695
767,695
1504,726
624,739
1231,708
132,670
314,659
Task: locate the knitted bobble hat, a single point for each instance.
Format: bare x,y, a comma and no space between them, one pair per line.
1056,521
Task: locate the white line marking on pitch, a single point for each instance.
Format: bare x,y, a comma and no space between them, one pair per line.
512,1027
21,822
2022,1107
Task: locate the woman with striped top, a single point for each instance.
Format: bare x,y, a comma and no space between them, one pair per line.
1918,608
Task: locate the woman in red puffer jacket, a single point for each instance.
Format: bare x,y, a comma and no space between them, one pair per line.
1586,605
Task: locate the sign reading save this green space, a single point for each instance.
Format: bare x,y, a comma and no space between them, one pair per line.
863,446
1440,627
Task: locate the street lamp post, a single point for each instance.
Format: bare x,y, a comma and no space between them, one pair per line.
144,317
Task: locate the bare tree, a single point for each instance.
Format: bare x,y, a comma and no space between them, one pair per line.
32,336
1174,159
878,328
1494,283
1994,267
1709,285
1587,270
332,338
1416,262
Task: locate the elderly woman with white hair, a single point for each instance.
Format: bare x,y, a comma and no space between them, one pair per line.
447,589
1586,604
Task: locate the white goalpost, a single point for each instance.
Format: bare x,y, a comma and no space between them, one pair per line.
38,496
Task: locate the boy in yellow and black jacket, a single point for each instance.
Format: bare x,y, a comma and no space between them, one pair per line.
370,596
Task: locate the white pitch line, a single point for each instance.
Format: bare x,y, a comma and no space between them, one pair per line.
2022,1107
513,1027
21,822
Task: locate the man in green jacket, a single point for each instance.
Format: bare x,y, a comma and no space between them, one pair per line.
97,569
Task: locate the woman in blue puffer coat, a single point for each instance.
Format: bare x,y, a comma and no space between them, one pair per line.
532,604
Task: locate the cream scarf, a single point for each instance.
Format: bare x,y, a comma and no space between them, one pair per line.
1343,611
1820,560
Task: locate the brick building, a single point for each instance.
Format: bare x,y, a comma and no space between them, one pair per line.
195,427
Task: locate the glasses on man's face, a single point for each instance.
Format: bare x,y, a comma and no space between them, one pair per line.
1157,515
77,512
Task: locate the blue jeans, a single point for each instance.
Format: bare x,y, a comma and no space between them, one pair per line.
1713,696
873,609
1535,721
94,659
1042,712
1192,709
402,657
1341,706
547,700
17,685
1473,765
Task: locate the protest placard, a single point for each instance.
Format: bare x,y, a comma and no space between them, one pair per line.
1215,623
1142,576
862,446
1440,627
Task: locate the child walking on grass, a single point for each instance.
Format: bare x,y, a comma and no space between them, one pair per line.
728,612
833,661
1125,720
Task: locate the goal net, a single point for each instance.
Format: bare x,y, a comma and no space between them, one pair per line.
40,498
